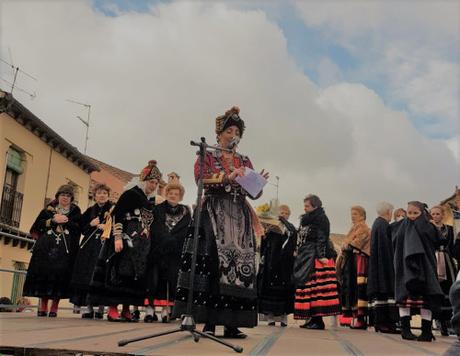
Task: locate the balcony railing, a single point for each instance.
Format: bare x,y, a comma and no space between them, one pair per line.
11,206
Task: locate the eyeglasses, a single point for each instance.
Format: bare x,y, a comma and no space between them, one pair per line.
66,195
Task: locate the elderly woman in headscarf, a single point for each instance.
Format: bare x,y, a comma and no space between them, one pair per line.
353,269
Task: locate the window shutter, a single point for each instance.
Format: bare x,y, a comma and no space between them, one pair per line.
15,161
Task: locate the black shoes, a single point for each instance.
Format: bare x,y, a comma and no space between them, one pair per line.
444,328
386,328
315,323
89,315
283,325
427,334
406,333
42,313
229,332
98,315
135,316
150,318
233,333
52,314
209,329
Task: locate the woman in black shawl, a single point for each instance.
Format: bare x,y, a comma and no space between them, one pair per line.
416,280
120,273
314,268
383,313
92,225
57,232
446,268
170,227
275,285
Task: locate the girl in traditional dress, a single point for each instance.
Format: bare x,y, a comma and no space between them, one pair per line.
92,225
225,292
316,295
417,288
57,231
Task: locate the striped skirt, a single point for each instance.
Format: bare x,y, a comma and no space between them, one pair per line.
362,268
354,286
319,296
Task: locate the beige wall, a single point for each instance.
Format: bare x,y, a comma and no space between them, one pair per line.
44,171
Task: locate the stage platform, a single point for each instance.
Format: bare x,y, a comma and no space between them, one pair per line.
25,334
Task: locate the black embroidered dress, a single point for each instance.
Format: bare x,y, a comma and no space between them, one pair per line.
120,278
169,230
50,268
275,280
225,291
88,252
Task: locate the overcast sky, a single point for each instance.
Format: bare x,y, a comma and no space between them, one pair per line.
357,102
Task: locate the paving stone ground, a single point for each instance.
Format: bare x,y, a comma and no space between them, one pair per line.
25,334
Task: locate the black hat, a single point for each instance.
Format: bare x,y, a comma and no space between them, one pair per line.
230,118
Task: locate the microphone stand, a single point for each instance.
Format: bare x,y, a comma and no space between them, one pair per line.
188,322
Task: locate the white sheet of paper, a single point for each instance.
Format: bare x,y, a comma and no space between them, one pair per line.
252,182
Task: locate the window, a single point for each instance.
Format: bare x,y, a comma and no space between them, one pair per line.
11,203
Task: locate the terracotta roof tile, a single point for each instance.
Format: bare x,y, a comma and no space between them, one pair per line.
124,176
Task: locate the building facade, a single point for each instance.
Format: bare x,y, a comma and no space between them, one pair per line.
34,162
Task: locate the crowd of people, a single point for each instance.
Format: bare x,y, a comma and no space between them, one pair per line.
252,264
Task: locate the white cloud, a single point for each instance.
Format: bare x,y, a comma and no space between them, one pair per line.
158,79
408,46
454,145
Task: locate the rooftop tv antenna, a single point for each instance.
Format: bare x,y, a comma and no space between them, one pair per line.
85,122
15,71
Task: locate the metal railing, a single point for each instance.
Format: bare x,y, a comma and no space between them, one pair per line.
11,206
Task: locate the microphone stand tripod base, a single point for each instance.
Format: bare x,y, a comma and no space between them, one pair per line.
187,324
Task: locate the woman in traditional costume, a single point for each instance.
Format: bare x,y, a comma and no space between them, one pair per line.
316,293
381,279
353,269
57,231
446,268
275,284
120,273
92,225
417,288
169,229
225,290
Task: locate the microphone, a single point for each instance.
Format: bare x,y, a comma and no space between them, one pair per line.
234,142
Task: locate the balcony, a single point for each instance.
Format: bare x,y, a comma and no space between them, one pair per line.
11,206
